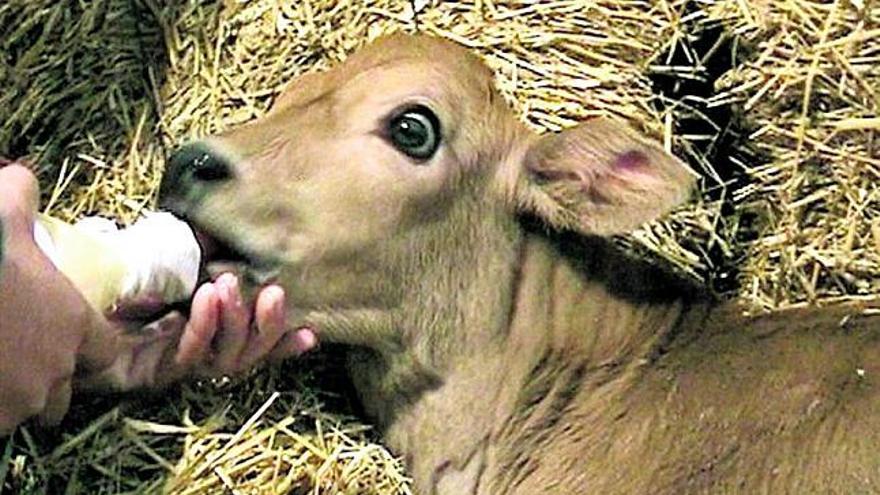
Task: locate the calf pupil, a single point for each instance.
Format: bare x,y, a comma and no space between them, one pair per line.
415,132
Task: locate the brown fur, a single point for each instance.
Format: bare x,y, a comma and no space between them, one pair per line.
503,347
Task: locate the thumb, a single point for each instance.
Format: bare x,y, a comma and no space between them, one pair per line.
101,344
19,190
145,358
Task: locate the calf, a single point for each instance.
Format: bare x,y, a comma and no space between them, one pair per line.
502,344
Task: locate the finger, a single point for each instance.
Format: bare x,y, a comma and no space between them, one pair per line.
145,359
149,365
204,319
294,343
270,324
234,324
101,341
57,402
19,189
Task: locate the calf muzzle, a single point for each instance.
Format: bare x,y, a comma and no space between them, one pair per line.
191,166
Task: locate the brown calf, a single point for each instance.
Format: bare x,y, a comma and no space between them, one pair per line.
503,346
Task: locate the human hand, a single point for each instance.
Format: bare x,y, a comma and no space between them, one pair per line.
223,336
227,336
52,334
47,328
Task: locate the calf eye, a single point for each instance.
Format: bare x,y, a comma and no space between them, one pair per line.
415,132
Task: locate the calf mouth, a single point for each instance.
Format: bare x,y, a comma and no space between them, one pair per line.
223,255
222,252
219,256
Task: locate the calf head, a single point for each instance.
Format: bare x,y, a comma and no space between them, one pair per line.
379,193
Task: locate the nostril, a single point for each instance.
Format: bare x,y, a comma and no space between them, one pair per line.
209,168
200,163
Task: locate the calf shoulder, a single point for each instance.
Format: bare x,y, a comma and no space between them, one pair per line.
777,404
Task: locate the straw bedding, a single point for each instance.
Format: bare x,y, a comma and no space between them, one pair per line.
811,92
773,104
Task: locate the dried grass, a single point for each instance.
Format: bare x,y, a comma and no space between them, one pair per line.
277,431
79,84
812,94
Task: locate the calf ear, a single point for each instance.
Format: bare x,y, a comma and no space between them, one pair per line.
600,178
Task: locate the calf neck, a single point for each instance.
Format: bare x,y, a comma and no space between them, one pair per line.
503,345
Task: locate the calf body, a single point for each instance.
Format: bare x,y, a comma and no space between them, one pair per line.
503,346
591,391
595,384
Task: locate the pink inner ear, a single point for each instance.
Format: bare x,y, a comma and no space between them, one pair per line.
631,161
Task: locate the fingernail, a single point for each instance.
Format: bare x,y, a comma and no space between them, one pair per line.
225,293
226,279
305,339
226,284
206,289
274,291
278,310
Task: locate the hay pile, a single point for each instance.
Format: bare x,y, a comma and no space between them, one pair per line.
79,100
277,431
811,94
98,93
